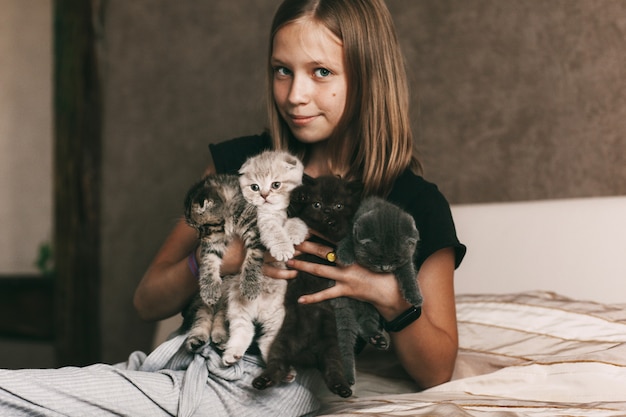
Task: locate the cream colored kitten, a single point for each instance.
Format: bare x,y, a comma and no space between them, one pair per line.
266,182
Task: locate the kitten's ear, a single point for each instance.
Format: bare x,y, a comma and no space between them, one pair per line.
310,181
245,167
299,195
296,201
355,187
291,161
359,236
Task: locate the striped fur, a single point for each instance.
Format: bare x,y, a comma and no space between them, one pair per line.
216,208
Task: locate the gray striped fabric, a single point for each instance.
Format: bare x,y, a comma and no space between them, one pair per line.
168,382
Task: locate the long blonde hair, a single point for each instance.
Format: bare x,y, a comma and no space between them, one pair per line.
373,141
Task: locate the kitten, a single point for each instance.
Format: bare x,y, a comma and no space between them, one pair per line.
215,207
308,336
383,238
266,182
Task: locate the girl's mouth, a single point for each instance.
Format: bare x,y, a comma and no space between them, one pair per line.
301,120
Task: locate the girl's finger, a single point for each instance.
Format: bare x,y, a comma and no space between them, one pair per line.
327,294
316,249
272,271
330,272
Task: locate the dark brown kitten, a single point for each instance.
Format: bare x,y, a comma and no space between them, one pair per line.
308,336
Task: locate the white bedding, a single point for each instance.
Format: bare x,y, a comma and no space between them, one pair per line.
524,354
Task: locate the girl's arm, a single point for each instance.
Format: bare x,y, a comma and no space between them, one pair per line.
426,348
168,284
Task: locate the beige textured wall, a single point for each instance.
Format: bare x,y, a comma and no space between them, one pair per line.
519,100
25,132
513,100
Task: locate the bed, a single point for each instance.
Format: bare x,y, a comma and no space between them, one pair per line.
541,307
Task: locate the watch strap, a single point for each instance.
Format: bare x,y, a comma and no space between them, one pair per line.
403,320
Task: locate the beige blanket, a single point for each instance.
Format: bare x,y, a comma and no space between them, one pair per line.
527,354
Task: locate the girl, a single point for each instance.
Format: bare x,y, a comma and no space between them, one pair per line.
338,98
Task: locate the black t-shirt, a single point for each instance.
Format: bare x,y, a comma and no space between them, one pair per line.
418,197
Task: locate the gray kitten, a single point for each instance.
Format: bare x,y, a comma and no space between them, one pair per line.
383,238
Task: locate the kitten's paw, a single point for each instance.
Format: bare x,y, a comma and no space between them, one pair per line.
412,295
230,360
297,230
211,292
282,252
219,337
195,342
262,381
232,355
250,289
380,341
341,389
291,375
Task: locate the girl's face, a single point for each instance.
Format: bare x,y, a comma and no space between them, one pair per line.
310,84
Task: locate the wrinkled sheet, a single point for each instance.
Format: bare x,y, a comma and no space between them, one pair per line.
525,354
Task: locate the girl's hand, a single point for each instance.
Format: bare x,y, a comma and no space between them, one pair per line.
354,281
274,269
236,251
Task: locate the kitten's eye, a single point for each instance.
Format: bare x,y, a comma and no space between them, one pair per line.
275,185
255,187
338,206
317,205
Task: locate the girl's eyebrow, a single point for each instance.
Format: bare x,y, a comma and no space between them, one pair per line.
276,61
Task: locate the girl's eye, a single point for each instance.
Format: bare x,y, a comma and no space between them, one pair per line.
317,205
322,72
255,187
275,185
282,71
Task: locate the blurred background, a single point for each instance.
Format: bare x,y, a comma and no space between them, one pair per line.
107,107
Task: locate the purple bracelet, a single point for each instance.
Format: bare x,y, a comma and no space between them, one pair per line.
192,262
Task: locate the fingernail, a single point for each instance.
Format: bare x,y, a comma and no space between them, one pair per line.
301,300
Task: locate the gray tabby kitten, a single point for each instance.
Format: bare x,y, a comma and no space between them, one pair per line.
384,238
216,208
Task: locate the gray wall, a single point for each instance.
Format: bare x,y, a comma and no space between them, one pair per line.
512,100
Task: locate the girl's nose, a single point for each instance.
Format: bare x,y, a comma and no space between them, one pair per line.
299,92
